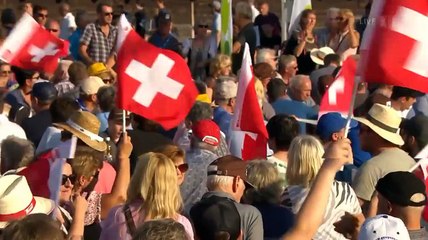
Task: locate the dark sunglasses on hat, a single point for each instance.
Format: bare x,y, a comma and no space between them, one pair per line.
183,167
64,179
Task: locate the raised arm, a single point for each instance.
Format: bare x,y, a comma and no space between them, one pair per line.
120,185
311,214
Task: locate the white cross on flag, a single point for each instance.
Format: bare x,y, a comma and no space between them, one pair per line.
396,47
154,83
30,46
338,97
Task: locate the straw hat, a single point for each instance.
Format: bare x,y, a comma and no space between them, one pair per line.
85,126
17,201
385,122
318,54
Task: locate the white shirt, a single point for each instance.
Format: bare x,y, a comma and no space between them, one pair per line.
8,128
255,12
67,25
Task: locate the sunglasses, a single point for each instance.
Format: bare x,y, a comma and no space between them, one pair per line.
6,72
182,167
52,30
65,178
108,14
203,26
42,15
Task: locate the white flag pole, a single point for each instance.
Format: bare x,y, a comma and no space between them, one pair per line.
123,120
351,107
284,20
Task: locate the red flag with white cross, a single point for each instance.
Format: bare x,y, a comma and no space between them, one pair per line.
397,51
154,83
338,97
30,46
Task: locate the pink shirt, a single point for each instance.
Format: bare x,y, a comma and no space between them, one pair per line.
105,179
114,226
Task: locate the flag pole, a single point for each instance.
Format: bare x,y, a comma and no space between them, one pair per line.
351,107
123,121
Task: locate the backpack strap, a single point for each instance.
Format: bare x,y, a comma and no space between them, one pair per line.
129,220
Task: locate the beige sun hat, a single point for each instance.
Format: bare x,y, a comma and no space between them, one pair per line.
17,201
318,54
385,122
85,126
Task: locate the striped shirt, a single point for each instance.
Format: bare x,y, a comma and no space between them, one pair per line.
342,199
99,45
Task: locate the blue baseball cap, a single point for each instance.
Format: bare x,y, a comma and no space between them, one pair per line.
330,123
44,91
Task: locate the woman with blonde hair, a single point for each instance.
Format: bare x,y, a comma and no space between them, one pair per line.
305,157
153,193
347,40
178,157
265,196
220,69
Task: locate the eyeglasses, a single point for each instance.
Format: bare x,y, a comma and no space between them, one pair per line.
108,14
42,15
203,26
339,18
6,72
52,30
182,167
72,179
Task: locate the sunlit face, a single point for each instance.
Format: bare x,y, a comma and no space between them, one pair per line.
342,20
114,129
54,28
41,17
202,29
226,70
67,183
5,71
106,14
310,21
406,103
332,21
303,93
292,69
264,9
181,168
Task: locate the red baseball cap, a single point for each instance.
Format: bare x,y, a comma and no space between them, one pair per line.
207,131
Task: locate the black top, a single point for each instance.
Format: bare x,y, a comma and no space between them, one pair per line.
246,35
304,61
35,126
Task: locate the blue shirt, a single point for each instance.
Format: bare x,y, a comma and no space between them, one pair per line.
169,42
274,229
360,156
223,119
296,108
74,40
103,118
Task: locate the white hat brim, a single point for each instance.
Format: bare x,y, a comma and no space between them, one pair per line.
43,205
315,51
391,137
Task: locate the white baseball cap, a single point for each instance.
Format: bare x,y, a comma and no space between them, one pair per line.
91,85
383,227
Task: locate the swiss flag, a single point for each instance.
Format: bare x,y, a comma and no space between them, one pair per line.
153,82
45,173
397,45
30,46
248,139
338,97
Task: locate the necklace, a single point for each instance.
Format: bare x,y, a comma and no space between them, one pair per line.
309,40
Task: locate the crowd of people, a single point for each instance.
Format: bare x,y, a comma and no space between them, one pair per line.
144,182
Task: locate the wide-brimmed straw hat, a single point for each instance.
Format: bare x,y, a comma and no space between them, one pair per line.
384,121
17,201
318,54
85,126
